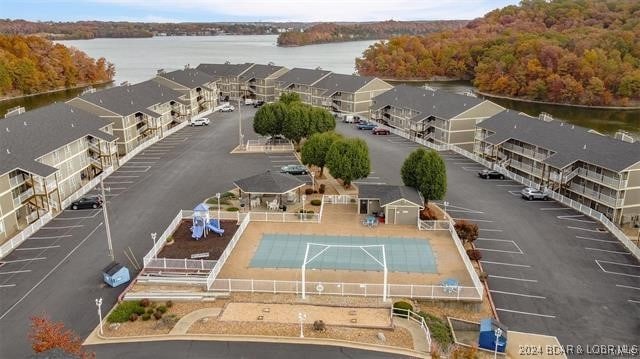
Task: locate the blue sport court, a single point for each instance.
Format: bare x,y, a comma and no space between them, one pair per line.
287,251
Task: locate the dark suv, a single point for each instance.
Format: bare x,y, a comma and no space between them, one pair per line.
87,202
490,174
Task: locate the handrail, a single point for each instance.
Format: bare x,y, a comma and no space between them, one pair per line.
411,315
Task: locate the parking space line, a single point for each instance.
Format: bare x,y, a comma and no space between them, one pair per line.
121,182
515,193
25,260
461,208
7,285
512,278
116,176
507,264
491,230
51,237
627,286
498,250
494,239
64,227
472,169
525,313
281,161
604,250
620,264
473,220
597,240
633,301
146,158
575,218
36,248
555,209
16,271
509,185
517,294
585,229
465,163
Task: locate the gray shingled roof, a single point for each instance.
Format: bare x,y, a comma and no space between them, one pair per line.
389,193
269,183
224,70
129,99
190,78
342,83
441,104
35,133
569,142
301,76
259,71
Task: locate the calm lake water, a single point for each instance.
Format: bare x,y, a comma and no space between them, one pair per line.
137,60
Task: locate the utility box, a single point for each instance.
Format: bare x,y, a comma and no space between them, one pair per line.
487,339
115,274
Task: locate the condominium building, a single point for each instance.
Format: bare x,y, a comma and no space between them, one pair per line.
137,111
258,82
198,89
45,156
436,116
299,80
227,78
598,171
347,93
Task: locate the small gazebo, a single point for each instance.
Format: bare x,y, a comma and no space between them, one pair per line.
269,188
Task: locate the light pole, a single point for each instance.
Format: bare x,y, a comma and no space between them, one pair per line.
445,203
304,198
313,181
301,318
153,238
218,197
240,136
106,219
498,335
99,305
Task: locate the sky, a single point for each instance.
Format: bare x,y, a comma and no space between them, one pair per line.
246,10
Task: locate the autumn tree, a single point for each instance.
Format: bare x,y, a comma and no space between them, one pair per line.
46,335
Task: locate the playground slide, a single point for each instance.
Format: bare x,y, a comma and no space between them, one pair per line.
197,232
214,226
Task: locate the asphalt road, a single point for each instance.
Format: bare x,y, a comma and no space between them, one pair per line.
550,270
57,270
236,350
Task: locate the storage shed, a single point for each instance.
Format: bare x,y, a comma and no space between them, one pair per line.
115,274
399,204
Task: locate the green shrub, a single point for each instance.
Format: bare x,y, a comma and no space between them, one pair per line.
439,329
229,195
146,316
169,304
233,209
145,302
150,311
316,202
133,317
138,310
402,307
170,239
123,311
223,201
157,315
162,309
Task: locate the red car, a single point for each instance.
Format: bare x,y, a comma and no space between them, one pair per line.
380,131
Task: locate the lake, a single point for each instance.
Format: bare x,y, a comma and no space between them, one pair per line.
138,60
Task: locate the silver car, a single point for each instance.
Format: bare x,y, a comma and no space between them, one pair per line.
532,193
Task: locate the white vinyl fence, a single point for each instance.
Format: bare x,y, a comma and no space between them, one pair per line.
261,147
15,241
227,252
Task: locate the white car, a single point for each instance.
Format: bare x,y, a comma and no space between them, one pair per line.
199,122
227,108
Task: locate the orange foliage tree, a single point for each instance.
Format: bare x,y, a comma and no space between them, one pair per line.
46,334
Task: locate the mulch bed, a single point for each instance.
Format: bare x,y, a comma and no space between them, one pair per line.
184,246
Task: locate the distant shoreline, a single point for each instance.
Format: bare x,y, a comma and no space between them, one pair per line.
2,99
620,108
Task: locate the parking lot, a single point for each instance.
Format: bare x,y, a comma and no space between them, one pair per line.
551,270
57,270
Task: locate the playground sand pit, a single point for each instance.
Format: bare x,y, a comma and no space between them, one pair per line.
184,246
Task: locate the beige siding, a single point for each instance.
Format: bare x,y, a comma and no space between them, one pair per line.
483,110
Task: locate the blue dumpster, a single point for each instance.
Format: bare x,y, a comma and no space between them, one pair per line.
488,337
115,274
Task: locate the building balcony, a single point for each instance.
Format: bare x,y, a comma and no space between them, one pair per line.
596,196
524,152
615,183
95,161
526,168
22,197
16,181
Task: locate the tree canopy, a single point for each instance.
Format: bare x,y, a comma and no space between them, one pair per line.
31,64
348,160
426,172
46,335
315,149
564,51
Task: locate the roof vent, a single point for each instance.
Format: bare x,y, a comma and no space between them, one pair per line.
25,123
8,129
8,152
515,125
584,147
71,110
100,100
73,125
573,127
132,102
561,124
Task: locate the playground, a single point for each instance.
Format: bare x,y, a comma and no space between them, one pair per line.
184,246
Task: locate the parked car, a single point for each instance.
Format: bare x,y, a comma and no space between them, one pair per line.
380,131
199,122
294,169
350,119
277,139
490,174
87,202
532,194
258,103
227,108
249,101
366,126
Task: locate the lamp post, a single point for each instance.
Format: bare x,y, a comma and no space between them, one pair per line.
218,197
153,237
99,305
304,198
313,181
301,318
498,335
240,136
445,203
106,219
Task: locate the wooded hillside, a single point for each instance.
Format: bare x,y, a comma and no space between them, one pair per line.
31,64
565,51
330,32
